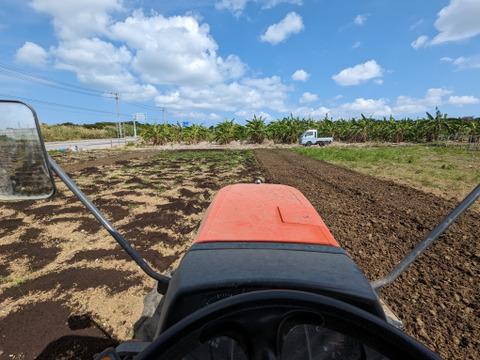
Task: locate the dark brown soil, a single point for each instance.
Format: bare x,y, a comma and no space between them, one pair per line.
53,253
378,222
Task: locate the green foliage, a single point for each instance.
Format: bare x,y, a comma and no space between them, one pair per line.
286,130
225,132
196,133
430,166
74,132
257,130
158,134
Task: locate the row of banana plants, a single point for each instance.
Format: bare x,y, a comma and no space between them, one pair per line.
288,129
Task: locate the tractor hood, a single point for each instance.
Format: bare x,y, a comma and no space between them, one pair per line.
263,213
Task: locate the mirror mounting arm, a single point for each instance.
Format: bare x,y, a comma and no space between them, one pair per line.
377,285
162,279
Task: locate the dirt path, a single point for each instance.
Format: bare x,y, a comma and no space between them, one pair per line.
378,222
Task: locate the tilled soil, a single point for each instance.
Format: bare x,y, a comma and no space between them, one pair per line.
378,223
68,291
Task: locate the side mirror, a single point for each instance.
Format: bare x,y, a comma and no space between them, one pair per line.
24,170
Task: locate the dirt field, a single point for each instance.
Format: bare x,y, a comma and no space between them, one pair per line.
68,291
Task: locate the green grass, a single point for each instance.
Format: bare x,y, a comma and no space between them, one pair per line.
450,172
74,132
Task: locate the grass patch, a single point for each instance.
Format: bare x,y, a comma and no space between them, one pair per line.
444,171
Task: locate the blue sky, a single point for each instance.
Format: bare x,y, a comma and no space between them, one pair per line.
204,61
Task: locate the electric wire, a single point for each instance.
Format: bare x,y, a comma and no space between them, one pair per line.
65,106
43,80
23,75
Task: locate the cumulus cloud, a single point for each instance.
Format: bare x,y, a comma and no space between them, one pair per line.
308,97
409,105
457,21
277,33
318,113
32,55
105,58
248,93
99,64
369,107
136,57
191,58
463,100
358,74
300,75
420,42
78,18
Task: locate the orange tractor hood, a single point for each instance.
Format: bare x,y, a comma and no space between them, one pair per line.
263,213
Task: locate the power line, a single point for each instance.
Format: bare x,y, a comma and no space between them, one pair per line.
43,80
147,107
23,75
65,106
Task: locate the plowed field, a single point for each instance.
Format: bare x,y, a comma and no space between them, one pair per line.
67,290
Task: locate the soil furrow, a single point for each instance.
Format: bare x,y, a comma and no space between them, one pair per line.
378,222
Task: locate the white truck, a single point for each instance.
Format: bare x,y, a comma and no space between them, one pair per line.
309,137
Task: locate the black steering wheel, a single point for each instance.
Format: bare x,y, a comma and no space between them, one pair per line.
260,322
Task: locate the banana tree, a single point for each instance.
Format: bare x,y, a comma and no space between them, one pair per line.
257,130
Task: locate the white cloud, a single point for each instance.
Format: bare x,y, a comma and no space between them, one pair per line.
356,45
236,7
318,113
463,100
99,64
78,18
136,57
32,55
420,42
368,107
250,93
300,75
408,105
272,3
463,63
191,58
277,33
358,74
214,116
457,21
360,19
446,59
308,97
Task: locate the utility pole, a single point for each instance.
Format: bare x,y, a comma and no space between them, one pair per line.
163,111
119,132
134,126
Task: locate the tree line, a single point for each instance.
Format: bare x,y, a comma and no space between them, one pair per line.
285,131
288,129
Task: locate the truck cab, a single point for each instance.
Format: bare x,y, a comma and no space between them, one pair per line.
310,137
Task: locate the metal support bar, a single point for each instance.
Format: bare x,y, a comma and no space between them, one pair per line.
427,241
162,280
